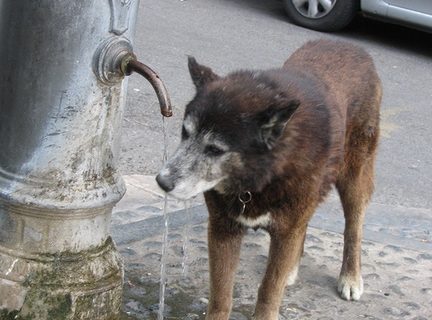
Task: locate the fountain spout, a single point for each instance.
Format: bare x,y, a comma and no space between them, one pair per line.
115,59
131,64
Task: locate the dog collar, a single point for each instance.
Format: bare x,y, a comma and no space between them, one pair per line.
244,197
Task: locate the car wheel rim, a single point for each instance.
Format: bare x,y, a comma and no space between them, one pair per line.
314,9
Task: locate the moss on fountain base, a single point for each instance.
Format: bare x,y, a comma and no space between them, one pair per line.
75,286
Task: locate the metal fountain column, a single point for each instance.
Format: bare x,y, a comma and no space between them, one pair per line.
61,99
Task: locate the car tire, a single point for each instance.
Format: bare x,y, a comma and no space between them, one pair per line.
331,18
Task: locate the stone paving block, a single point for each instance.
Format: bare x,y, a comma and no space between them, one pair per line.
144,199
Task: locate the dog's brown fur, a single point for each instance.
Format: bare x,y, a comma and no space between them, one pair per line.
330,140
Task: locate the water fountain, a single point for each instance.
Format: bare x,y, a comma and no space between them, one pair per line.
61,98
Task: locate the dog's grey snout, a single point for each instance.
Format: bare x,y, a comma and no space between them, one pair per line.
165,182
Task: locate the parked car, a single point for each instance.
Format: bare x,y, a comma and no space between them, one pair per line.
332,15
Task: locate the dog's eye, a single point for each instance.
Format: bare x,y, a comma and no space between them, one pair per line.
213,151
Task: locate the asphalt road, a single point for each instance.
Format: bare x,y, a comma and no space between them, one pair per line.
233,34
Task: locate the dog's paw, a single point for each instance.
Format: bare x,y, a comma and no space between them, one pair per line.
218,316
274,316
350,288
265,312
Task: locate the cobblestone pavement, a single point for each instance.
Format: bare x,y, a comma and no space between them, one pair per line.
397,262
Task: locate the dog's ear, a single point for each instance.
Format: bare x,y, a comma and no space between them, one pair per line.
200,74
273,121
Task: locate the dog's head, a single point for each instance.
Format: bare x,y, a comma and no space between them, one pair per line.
230,129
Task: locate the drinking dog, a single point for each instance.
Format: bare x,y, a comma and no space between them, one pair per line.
266,147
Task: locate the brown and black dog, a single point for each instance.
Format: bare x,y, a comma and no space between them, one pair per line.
266,148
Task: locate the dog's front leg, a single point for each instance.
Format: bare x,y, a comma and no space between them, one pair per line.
282,266
224,242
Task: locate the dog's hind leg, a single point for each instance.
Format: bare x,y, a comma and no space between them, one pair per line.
355,187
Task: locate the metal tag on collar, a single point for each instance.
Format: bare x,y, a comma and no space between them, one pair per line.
244,198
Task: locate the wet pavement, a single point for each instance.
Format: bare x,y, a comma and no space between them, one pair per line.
397,261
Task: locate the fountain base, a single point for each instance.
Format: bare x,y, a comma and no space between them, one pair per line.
84,285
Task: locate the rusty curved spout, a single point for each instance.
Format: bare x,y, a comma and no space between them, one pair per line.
164,101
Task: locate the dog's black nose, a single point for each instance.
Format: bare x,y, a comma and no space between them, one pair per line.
165,183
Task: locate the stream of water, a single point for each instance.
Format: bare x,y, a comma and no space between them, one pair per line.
186,239
165,244
163,277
